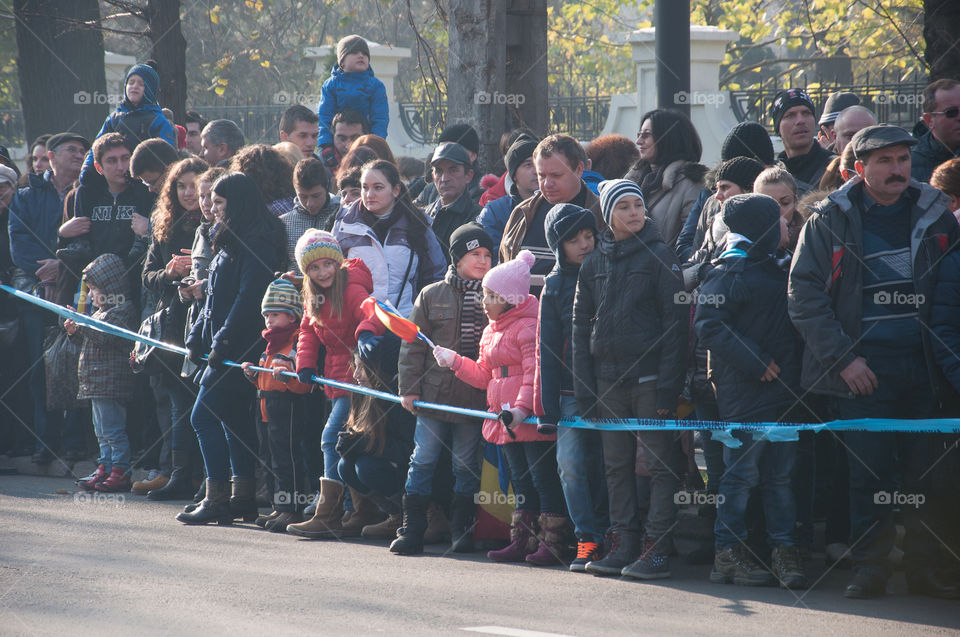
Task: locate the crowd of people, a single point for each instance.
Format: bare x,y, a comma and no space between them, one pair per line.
605,280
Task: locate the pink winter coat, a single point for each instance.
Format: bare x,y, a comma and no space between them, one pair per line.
508,360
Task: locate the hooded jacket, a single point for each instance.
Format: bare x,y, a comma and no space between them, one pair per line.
104,367
360,91
627,321
506,368
389,261
338,334
928,153
555,327
136,123
825,292
742,320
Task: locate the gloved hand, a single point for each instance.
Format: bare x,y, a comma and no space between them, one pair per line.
215,360
306,374
507,417
328,154
445,357
367,343
195,356
545,426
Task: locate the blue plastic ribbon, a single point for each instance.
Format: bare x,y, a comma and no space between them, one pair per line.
720,431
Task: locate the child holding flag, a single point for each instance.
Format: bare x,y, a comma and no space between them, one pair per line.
450,314
505,368
333,290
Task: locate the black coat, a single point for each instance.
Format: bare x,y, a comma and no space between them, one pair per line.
629,320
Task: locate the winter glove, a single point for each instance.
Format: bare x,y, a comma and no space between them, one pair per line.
306,375
445,357
509,417
546,426
215,360
350,444
328,154
367,343
195,356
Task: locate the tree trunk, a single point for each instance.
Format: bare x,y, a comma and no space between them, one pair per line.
63,86
169,48
527,65
475,72
941,26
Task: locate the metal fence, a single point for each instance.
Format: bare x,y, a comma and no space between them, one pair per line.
893,102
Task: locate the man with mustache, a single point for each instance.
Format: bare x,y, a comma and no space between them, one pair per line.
860,294
794,120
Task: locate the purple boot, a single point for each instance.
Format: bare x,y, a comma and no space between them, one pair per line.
523,536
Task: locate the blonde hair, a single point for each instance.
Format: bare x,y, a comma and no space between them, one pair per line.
775,175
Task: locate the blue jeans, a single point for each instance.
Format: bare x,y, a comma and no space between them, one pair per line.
339,413
225,428
372,474
110,426
580,463
429,438
769,466
903,391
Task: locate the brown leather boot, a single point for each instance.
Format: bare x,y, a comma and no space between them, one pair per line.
438,526
365,513
325,522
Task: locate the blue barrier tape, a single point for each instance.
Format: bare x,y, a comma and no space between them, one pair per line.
721,431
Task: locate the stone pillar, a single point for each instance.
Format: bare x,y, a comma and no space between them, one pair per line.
116,67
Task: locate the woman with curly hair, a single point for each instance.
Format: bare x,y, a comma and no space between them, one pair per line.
612,155
175,221
271,171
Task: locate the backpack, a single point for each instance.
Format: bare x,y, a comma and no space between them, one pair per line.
135,126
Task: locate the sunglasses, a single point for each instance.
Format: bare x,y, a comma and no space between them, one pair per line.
950,113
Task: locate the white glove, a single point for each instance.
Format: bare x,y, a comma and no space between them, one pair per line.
445,357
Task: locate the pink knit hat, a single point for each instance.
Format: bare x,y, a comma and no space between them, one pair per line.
511,280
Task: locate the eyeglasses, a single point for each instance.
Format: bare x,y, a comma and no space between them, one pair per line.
950,113
644,135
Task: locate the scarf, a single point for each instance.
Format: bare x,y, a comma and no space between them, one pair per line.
472,318
380,225
652,183
277,338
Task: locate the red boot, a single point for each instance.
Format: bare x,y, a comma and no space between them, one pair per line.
523,536
117,482
90,482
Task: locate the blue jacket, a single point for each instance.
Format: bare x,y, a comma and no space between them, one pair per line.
362,92
230,321
743,322
136,123
494,218
592,178
36,213
926,155
945,318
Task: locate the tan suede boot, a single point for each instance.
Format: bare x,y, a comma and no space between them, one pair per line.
325,522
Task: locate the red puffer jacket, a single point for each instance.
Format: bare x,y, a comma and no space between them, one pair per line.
339,334
508,360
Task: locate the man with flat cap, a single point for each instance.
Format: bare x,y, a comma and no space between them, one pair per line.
455,205
860,294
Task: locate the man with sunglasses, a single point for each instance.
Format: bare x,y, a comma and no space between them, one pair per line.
941,115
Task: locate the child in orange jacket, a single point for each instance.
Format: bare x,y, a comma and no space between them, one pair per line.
281,404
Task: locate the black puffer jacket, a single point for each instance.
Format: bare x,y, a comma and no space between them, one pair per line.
743,322
629,318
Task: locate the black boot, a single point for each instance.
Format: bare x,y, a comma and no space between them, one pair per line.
180,486
197,497
462,520
410,536
213,508
243,501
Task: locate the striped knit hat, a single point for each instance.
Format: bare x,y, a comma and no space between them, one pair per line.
282,296
612,190
317,244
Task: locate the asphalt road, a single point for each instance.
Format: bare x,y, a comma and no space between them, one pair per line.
72,566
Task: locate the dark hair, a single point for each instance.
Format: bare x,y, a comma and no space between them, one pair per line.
946,177
564,145
378,145
349,177
349,116
152,155
310,173
169,210
193,117
294,114
357,156
410,167
419,226
245,217
612,155
930,92
224,131
212,174
106,143
268,168
675,136
507,139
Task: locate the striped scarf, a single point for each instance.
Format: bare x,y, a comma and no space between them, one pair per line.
472,318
